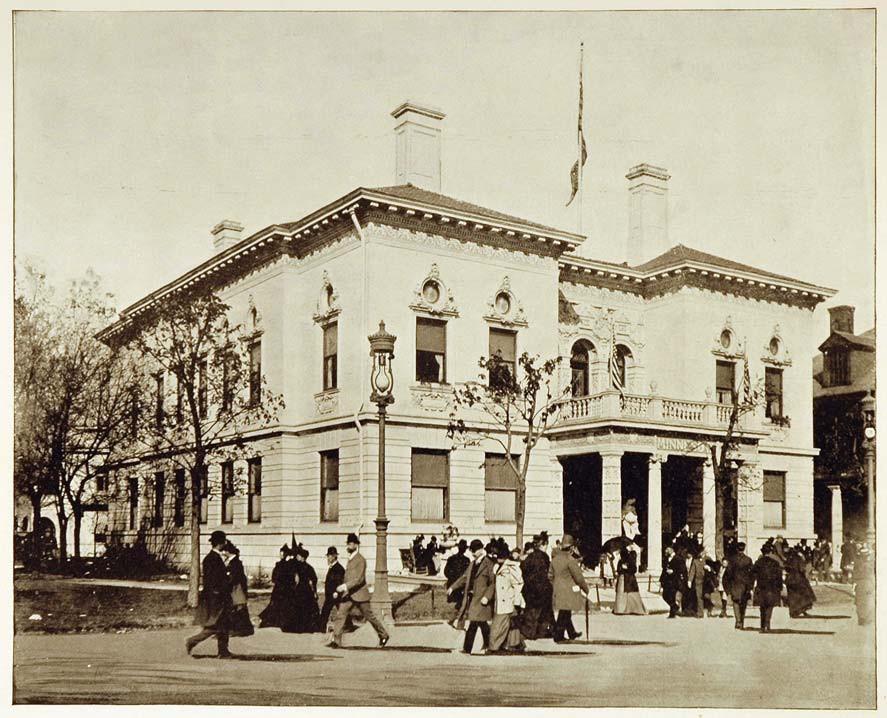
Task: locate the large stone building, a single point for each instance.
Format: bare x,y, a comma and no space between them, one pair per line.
455,281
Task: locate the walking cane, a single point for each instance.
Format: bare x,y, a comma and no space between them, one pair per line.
586,617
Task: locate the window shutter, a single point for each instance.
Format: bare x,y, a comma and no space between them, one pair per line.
431,336
503,343
774,486
330,339
498,475
430,469
726,375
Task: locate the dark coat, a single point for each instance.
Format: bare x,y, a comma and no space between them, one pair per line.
628,568
453,570
673,579
565,573
768,581
696,574
739,577
280,609
214,603
800,594
335,576
537,584
238,622
479,582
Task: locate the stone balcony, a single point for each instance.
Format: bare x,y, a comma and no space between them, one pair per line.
610,407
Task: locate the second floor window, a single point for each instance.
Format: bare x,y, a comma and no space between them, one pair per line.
330,356
201,476
503,346
773,392
431,350
725,381
227,382
579,369
180,401
202,380
228,492
158,399
255,373
329,485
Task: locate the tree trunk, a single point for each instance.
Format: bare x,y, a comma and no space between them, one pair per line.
78,523
194,573
36,537
719,516
63,538
520,503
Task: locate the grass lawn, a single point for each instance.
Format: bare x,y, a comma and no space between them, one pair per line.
66,607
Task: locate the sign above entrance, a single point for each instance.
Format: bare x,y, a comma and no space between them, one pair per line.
678,445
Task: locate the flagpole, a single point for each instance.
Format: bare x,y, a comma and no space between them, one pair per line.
579,138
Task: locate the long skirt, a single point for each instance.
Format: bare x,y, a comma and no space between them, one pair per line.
536,621
504,633
628,602
800,594
239,623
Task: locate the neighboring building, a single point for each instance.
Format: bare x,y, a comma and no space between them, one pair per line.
843,373
455,281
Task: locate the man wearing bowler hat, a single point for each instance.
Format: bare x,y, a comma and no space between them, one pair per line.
214,604
567,582
335,574
355,596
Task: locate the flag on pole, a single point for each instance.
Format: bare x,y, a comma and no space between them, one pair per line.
615,374
576,171
746,383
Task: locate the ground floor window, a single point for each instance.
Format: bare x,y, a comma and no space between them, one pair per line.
500,488
430,485
255,490
228,492
774,500
329,485
179,506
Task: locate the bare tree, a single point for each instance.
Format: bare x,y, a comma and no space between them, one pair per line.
511,409
206,393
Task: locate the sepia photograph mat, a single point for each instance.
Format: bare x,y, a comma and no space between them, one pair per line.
605,211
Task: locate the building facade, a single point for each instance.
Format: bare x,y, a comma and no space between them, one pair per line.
454,282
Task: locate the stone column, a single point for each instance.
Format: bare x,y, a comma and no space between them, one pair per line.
654,515
708,506
837,526
611,494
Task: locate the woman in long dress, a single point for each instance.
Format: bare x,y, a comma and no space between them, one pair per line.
628,595
239,623
307,612
800,594
279,611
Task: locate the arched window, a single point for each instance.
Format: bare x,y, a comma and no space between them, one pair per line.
623,359
580,365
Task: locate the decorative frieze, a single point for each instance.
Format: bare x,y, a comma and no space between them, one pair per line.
432,398
327,301
433,297
504,308
327,402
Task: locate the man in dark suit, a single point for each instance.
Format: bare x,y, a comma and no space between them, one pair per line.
335,574
696,581
739,579
566,575
355,596
479,582
214,604
673,580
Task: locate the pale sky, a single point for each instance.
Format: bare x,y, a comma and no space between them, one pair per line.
135,133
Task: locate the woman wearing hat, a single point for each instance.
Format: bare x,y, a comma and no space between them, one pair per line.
239,623
628,595
306,609
279,611
453,570
508,601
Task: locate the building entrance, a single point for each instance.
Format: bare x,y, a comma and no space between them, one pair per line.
582,503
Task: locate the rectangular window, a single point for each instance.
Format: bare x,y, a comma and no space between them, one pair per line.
158,400
774,500
500,488
179,507
180,401
431,350
254,508
135,412
159,496
430,485
330,356
227,381
133,503
725,381
202,380
101,482
503,344
329,485
837,367
201,476
773,392
228,492
255,373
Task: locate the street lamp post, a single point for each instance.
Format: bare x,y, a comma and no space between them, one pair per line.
382,382
868,411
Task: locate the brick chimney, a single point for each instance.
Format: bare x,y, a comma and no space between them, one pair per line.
417,138
226,234
647,213
841,318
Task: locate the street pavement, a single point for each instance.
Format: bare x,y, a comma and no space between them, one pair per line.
826,661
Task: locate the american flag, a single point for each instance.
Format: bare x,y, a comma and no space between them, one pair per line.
576,171
615,376
746,383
